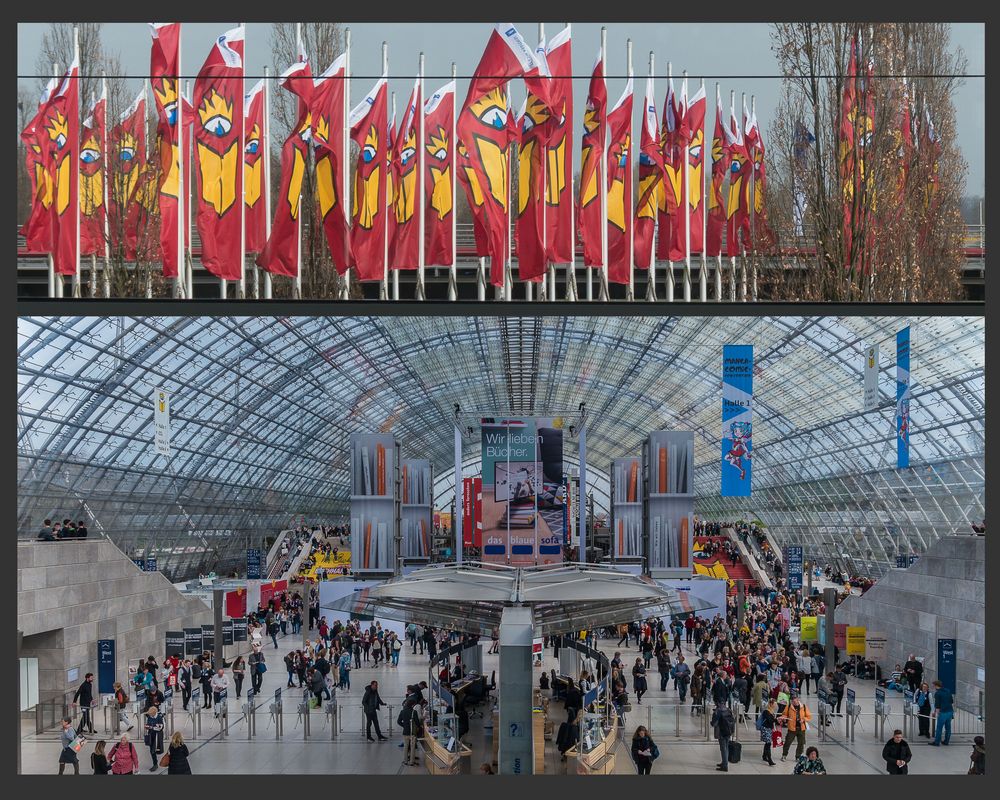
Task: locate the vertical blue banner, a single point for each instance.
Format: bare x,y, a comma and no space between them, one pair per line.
105,666
946,664
903,398
793,566
737,418
253,563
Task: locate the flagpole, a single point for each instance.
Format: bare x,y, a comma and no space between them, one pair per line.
743,260
508,274
297,286
732,259
243,183
628,200
76,60
385,202
651,275
266,155
687,202
549,279
345,166
672,143
718,258
572,292
188,255
55,282
419,111
105,280
453,272
389,207
703,274
753,204
603,276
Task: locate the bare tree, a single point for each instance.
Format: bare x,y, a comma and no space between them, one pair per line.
57,48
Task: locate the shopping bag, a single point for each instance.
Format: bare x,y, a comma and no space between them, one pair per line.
77,744
313,702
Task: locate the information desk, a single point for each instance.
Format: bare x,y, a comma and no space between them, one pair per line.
595,750
438,758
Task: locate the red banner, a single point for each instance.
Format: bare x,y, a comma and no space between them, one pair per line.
38,228
690,141
669,195
270,590
93,173
404,249
472,512
61,124
739,179
327,110
716,201
218,102
559,238
529,230
281,251
651,175
620,188
588,214
236,603
439,163
254,150
369,130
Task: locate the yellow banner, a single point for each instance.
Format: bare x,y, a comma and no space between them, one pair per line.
809,632
856,640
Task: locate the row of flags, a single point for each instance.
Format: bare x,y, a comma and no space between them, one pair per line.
401,211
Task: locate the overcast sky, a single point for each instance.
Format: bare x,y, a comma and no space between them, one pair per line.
725,52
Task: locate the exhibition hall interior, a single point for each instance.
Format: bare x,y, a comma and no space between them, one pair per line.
498,544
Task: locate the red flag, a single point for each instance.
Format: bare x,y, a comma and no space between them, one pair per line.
369,129
588,213
218,101
127,146
620,188
669,198
280,255
531,257
740,166
254,152
483,117
236,603
163,71
651,176
92,176
327,111
559,238
762,235
439,161
60,133
38,228
716,202
405,245
690,141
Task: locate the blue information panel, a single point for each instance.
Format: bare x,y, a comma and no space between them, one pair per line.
946,663
737,419
151,564
253,563
903,398
105,666
901,562
793,566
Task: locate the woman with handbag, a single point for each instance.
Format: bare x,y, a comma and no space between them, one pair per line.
176,757
123,756
644,750
154,735
71,744
639,679
770,731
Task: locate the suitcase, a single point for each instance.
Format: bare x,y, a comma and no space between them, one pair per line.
735,752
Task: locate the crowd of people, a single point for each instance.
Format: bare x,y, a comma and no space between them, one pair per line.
67,529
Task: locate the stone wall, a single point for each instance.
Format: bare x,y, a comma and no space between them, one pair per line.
70,594
942,596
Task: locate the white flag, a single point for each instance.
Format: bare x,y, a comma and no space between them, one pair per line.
161,421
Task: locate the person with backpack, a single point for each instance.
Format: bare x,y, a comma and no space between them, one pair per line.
123,757
724,724
644,750
121,698
397,646
797,715
344,666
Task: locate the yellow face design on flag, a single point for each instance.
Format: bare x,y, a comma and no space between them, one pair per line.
253,168
491,112
695,167
146,193
165,90
366,182
405,197
618,204
127,173
589,192
437,149
57,129
470,174
218,164
555,177
717,154
91,176
735,184
648,209
758,190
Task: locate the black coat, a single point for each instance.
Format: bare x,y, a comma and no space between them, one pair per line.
178,761
85,694
371,701
893,752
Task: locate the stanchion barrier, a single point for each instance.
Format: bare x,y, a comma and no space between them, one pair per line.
882,709
250,714
331,717
825,710
168,701
222,714
853,713
304,714
677,720
276,711
908,713
194,712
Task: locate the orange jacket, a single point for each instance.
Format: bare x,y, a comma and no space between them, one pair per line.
797,718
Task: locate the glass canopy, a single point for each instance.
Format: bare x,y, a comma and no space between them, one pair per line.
262,408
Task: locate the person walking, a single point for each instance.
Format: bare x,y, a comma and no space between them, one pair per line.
99,759
177,756
724,723
413,729
371,703
85,697
70,747
663,666
123,757
220,686
153,738
206,686
896,754
681,673
797,715
639,679
239,672
258,666
944,711
184,681
121,698
767,721
914,672
838,683
644,750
